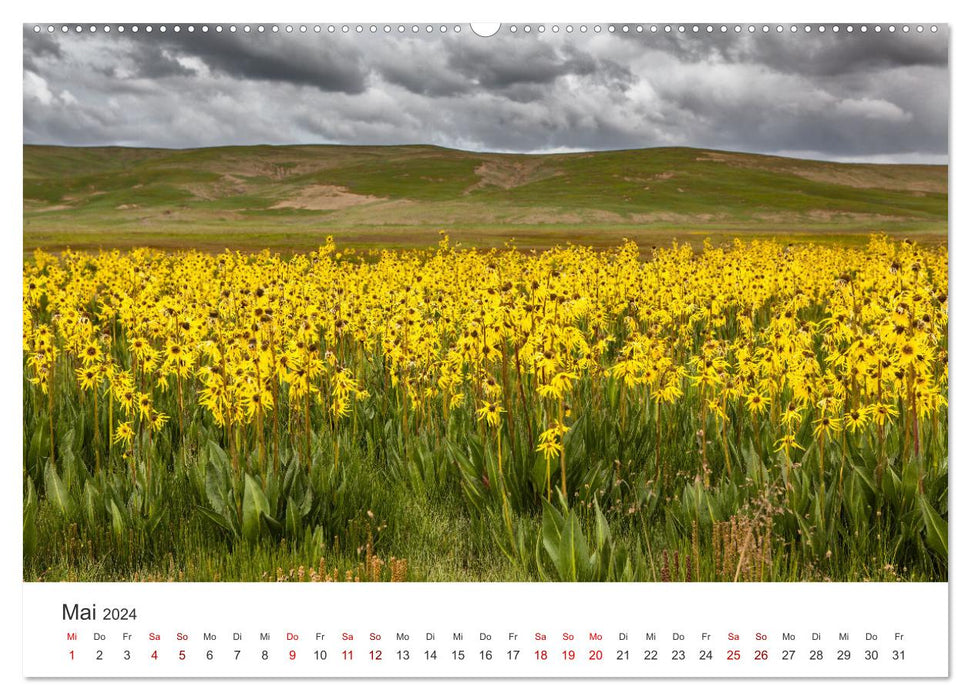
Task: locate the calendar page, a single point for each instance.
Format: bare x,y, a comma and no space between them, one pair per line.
516,350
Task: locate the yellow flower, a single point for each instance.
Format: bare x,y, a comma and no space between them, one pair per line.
856,419
145,406
756,403
786,443
826,426
87,377
124,433
790,417
490,413
91,353
550,448
158,420
554,432
883,413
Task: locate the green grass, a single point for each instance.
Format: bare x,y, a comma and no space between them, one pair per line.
391,502
231,197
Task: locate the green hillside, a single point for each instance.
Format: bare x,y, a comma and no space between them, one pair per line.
290,197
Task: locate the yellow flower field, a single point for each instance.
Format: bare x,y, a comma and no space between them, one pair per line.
576,414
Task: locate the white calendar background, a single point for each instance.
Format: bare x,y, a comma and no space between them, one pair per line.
486,630
919,611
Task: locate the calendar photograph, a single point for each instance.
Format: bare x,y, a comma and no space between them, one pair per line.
618,302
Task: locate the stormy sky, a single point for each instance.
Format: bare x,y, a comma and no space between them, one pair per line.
835,95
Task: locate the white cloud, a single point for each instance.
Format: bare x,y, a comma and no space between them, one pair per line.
872,109
67,98
35,88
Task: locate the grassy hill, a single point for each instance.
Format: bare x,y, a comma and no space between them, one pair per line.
290,197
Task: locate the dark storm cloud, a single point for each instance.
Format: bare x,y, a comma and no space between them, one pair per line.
833,55
818,54
37,45
41,45
534,62
275,58
845,96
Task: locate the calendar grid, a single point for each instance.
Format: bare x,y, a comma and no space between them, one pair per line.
486,630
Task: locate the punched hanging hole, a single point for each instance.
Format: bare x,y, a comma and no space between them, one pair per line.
485,29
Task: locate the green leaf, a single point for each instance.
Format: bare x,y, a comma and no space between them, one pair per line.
866,477
37,448
154,521
293,519
118,524
910,476
30,519
217,479
566,559
566,545
308,501
935,527
218,456
218,520
602,527
66,442
56,491
90,506
255,508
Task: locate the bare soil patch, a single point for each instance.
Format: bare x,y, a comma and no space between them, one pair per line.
508,174
325,198
226,186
